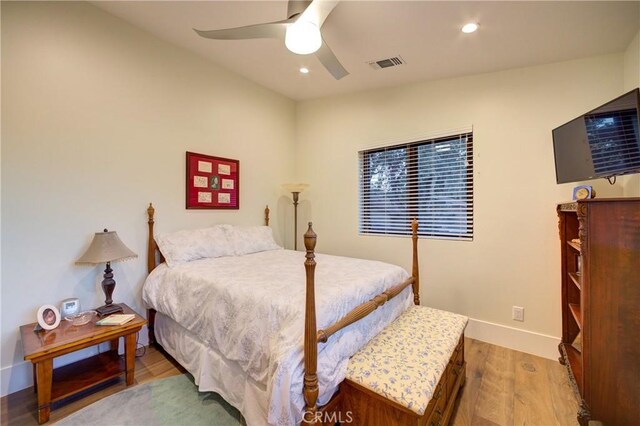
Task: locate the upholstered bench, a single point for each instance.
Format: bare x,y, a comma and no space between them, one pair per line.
410,373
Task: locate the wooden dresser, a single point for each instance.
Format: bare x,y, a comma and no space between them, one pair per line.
600,346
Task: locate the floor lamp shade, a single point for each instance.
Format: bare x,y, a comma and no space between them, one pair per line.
295,189
106,247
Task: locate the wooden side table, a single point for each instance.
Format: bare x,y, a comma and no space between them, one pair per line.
52,384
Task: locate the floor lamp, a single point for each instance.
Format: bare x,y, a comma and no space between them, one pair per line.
295,189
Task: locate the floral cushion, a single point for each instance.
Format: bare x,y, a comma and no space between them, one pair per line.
405,361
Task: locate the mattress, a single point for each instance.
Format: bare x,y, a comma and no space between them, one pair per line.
250,311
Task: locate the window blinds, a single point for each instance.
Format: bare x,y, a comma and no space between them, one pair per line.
613,141
431,180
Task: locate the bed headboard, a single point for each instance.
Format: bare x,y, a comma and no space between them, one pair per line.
154,256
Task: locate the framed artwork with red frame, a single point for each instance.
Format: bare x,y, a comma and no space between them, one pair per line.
212,182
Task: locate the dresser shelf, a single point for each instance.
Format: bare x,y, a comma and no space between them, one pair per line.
575,279
574,246
577,315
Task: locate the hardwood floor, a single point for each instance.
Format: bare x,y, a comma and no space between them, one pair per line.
19,408
504,387
507,387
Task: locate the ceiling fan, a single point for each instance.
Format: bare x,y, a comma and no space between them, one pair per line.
300,32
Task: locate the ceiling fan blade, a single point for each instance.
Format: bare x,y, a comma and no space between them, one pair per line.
296,7
268,30
330,62
318,11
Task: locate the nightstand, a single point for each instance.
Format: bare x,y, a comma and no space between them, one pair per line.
52,384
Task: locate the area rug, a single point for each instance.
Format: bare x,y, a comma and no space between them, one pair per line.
172,401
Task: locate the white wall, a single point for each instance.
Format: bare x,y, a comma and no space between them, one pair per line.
631,183
96,118
632,64
514,258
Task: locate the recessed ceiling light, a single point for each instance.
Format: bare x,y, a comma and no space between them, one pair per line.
470,28
304,70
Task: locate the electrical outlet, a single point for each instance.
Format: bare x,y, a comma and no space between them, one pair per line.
517,313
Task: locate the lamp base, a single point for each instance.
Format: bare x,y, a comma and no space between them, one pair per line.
109,309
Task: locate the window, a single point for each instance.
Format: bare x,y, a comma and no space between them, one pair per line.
613,140
431,180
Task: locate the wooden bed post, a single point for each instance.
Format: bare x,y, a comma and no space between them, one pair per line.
310,388
266,216
415,271
151,264
151,244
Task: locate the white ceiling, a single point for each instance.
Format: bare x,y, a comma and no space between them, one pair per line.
425,34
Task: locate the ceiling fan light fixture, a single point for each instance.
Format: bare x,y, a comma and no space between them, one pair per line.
303,38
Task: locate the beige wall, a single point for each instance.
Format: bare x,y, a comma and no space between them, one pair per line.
632,64
514,258
631,183
96,118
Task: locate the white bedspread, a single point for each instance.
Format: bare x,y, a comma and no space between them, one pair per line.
251,309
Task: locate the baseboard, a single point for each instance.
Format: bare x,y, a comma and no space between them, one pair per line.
530,342
19,376
15,377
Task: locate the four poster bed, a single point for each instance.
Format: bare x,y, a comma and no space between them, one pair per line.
234,322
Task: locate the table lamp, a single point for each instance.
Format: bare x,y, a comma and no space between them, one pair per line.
295,189
106,247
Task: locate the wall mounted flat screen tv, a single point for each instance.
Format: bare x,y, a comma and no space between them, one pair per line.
602,143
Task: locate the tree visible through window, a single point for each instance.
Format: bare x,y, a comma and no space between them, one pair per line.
431,180
613,141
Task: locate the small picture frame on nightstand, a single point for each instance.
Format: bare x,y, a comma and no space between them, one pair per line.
48,317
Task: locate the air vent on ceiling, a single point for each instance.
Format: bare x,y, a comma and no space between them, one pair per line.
386,63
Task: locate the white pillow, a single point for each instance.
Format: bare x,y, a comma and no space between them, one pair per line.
192,244
251,239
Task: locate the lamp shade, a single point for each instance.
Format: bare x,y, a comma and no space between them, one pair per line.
295,187
106,247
